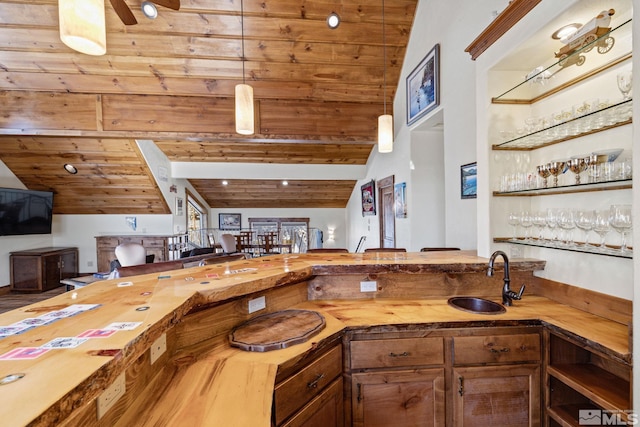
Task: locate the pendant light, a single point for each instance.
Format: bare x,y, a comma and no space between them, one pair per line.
244,94
82,25
385,121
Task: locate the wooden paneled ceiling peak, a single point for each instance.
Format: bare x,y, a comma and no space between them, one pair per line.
318,93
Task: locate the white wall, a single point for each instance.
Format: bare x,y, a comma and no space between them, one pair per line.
456,224
322,219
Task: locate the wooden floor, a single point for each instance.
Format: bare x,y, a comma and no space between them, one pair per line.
11,301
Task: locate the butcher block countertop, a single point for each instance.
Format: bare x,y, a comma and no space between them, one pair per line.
142,308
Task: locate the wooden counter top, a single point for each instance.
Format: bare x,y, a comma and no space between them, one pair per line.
74,376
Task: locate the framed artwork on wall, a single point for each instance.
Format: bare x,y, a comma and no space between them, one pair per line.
423,86
229,221
368,192
468,181
179,206
400,195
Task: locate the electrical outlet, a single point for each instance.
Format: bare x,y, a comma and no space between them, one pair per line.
158,348
257,304
111,395
89,263
369,286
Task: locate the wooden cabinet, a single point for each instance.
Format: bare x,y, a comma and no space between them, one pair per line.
164,248
581,382
313,395
39,270
397,381
496,379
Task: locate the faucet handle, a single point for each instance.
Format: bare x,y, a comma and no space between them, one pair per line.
520,292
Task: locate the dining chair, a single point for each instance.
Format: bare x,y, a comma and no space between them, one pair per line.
438,249
385,250
327,250
228,243
131,254
268,243
243,242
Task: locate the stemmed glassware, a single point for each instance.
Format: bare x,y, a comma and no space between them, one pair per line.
625,83
544,173
621,221
602,227
526,221
584,221
514,221
577,165
552,223
556,168
567,223
539,220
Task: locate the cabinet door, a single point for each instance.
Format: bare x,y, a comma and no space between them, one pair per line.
68,264
323,411
51,271
506,396
399,398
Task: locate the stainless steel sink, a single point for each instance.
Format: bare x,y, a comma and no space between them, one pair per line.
476,305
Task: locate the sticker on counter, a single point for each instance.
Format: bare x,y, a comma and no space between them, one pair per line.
32,322
24,353
143,308
144,294
65,342
124,284
5,331
97,333
212,276
240,270
123,326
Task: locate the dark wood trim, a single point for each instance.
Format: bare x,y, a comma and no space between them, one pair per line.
515,11
382,184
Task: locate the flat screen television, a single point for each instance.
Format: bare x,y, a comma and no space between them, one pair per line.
25,212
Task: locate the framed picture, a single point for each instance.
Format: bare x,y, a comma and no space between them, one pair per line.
468,181
230,221
400,195
423,86
368,192
179,206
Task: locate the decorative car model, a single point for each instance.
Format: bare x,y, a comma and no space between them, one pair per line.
590,35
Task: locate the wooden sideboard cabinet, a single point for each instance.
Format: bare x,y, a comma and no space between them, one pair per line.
165,248
39,270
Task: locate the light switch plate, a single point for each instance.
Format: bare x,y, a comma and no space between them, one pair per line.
257,304
368,286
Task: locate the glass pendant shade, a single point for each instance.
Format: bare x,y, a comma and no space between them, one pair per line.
82,25
385,133
244,109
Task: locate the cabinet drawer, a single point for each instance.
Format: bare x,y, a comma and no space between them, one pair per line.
154,242
496,348
397,352
294,392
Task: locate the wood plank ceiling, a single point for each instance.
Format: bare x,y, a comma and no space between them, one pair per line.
318,93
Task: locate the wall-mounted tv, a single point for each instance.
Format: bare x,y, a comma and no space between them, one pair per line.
25,212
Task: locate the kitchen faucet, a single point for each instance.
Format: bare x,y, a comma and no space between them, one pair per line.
507,294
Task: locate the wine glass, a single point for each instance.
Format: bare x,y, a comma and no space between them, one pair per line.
584,221
577,165
552,223
544,173
556,167
540,220
625,83
526,221
514,221
621,221
602,227
567,223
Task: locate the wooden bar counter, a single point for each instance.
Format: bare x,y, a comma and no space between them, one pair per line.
201,380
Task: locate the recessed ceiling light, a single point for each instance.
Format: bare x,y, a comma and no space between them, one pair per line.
225,182
285,183
149,9
333,20
70,168
566,31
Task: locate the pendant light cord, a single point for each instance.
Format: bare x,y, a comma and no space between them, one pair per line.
242,30
384,56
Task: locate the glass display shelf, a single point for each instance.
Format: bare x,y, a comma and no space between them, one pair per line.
605,51
609,250
619,184
609,117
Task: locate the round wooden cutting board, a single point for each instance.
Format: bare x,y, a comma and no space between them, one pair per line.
277,330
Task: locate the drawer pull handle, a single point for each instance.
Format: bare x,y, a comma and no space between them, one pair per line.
502,350
460,386
403,354
314,383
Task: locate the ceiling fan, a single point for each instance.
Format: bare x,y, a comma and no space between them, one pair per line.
125,14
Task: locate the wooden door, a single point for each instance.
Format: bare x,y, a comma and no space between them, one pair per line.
399,398
68,264
506,396
387,215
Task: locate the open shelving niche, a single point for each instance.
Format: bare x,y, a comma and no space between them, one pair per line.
552,84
